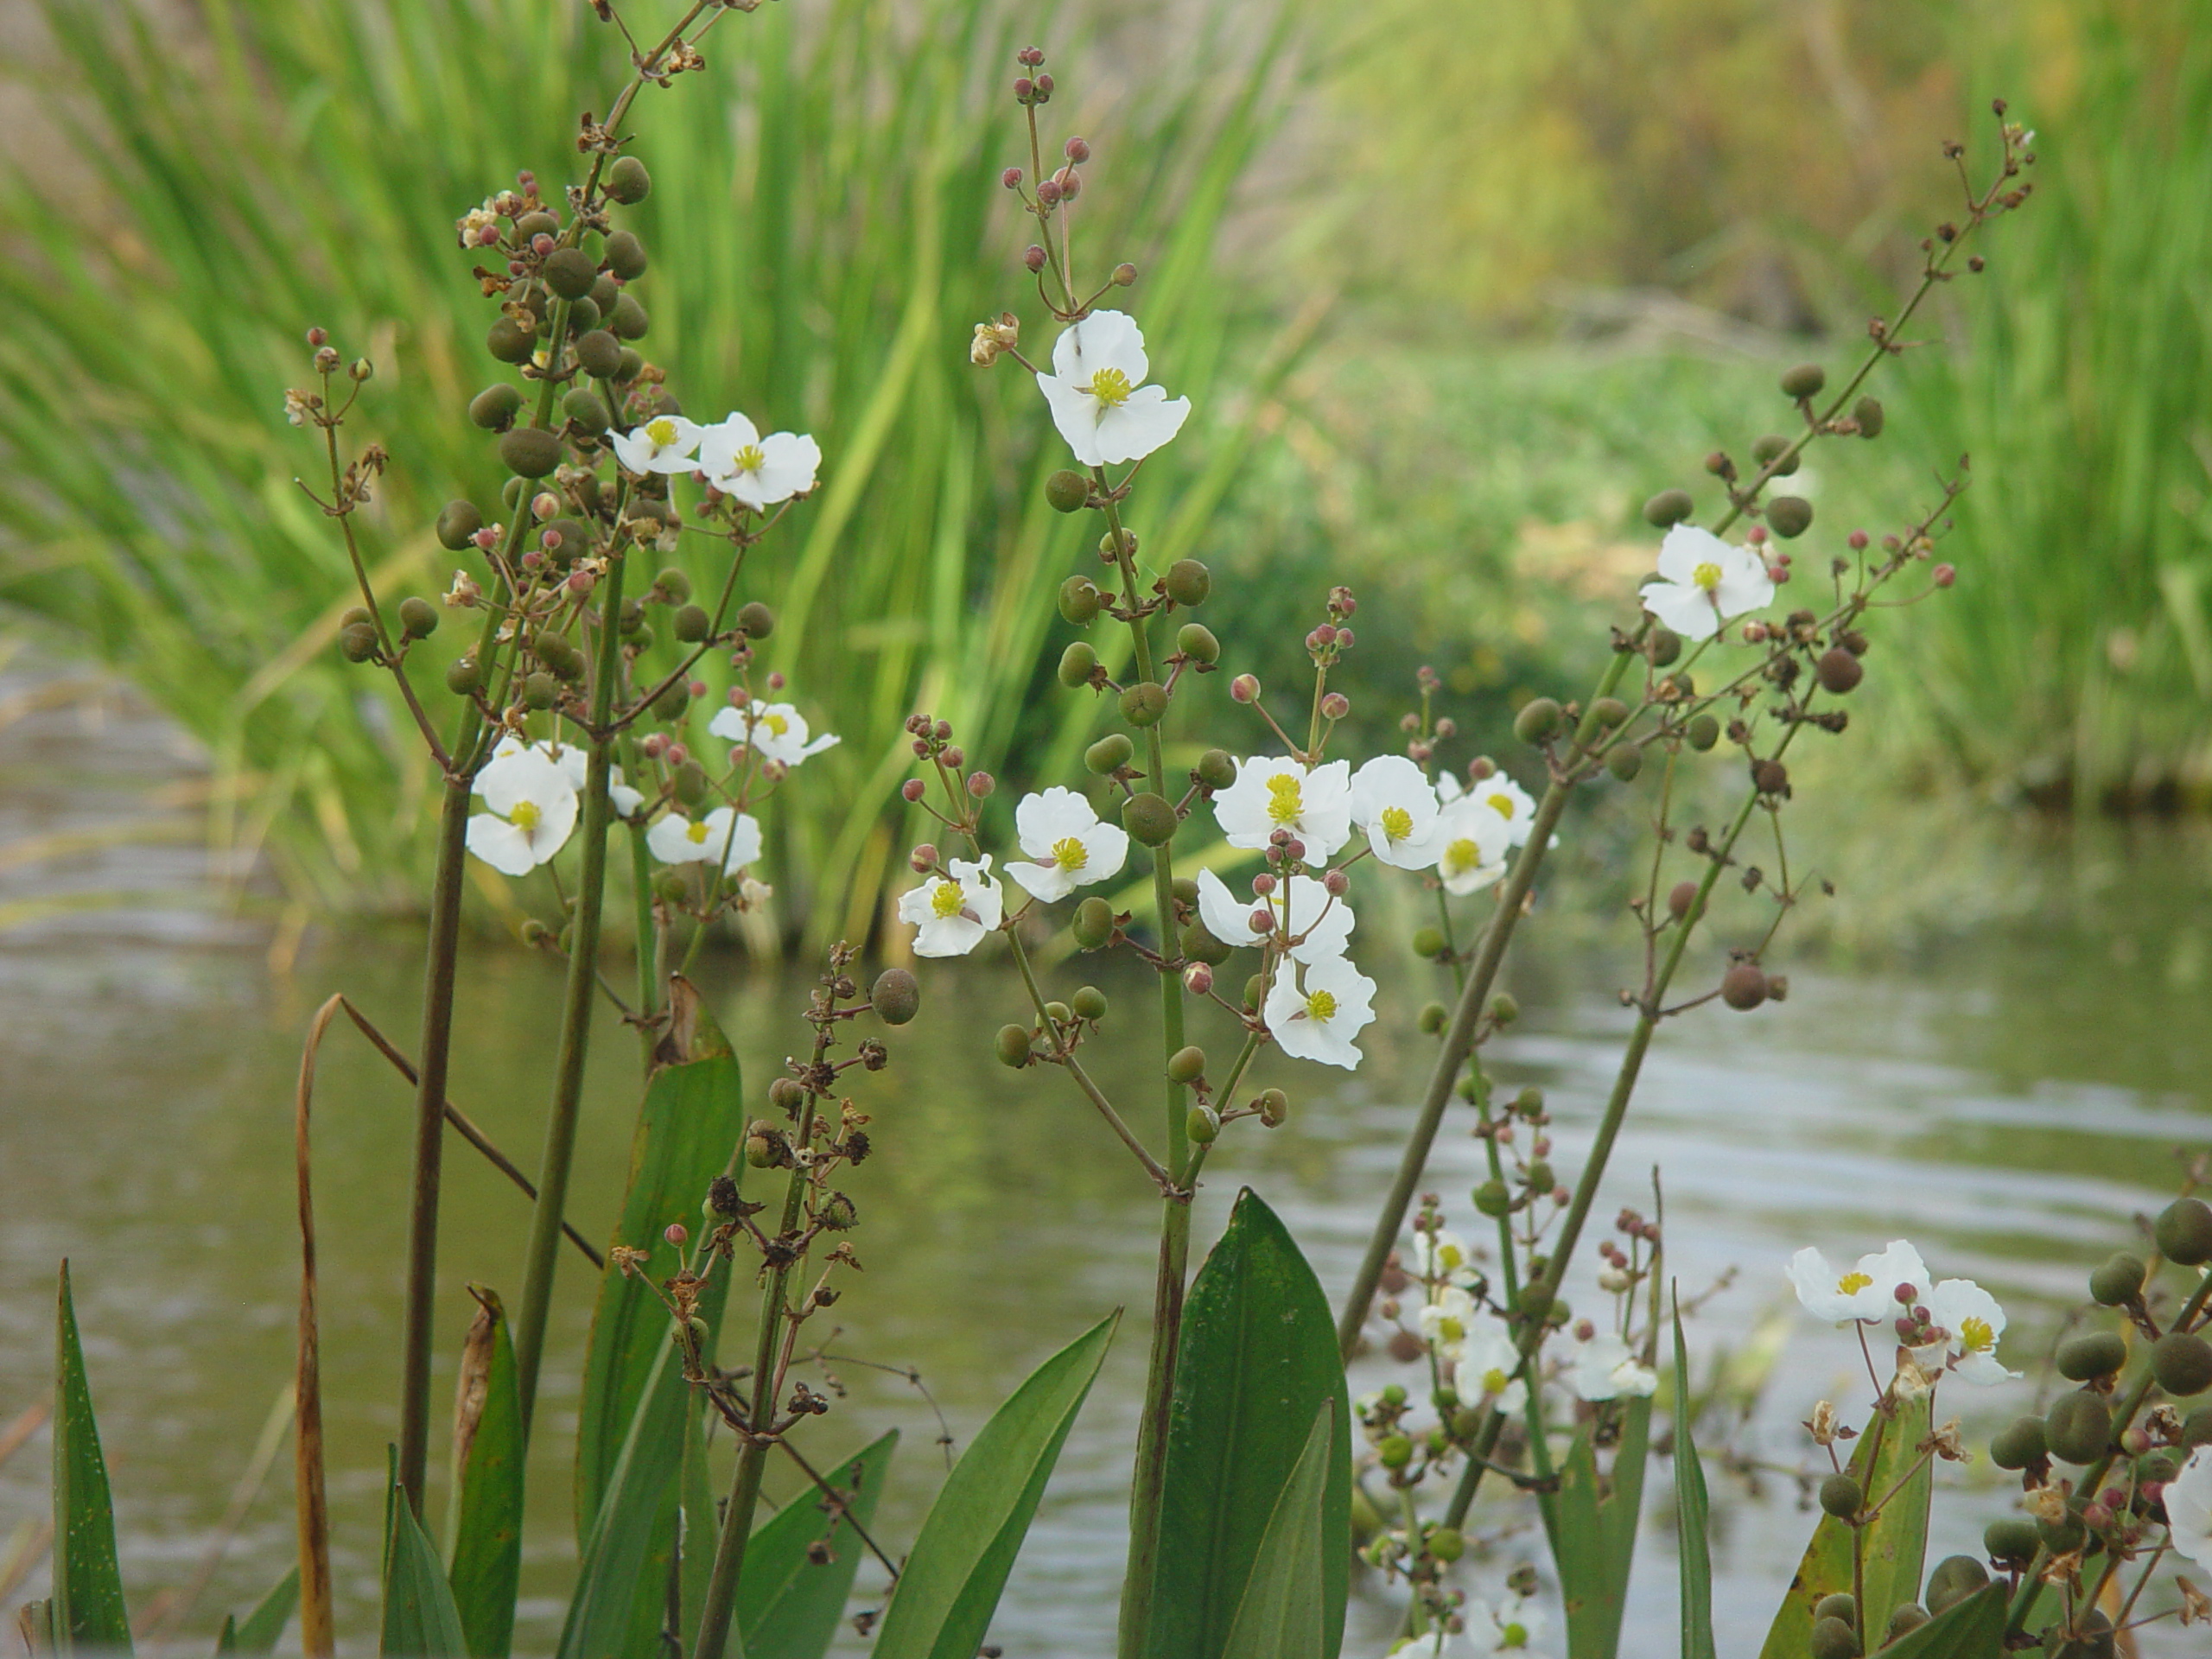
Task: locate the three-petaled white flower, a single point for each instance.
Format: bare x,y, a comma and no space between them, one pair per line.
953,913
1483,1369
1515,1625
724,834
1067,845
774,731
1317,1020
1393,800
1442,1254
1270,795
1971,1322
2188,1508
1703,581
533,809
1868,1291
1472,841
1605,1367
1097,393
1317,924
757,471
1512,804
663,444
576,760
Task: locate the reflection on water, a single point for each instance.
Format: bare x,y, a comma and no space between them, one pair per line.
2006,1104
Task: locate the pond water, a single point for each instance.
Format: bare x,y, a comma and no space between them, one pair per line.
2008,1100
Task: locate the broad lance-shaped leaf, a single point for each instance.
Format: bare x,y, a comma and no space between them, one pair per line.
626,1558
265,1622
1593,1520
689,1125
1693,1546
1258,1359
1896,1541
87,1609
788,1605
958,1566
420,1621
1973,1629
1284,1614
484,1534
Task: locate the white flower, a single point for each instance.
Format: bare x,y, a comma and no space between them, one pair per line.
1436,1643
1068,846
757,471
1395,804
1319,1020
1319,925
1515,1625
2188,1508
1442,1254
533,809
1605,1368
1971,1322
1705,581
1867,1291
574,760
774,731
1482,1368
1099,399
1446,1321
1511,802
724,834
663,444
1472,840
954,913
1271,794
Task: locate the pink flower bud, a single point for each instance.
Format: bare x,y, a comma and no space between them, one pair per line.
1030,56
2097,1517
1778,574
1344,639
541,245
1944,575
1756,535
1480,767
1338,883
1295,848
981,783
696,688
544,504
2137,1441
533,560
1263,884
1011,178
1197,979
921,745
1857,541
1077,151
1049,192
1023,86
943,732
1245,688
923,858
676,1233
1542,1148
678,754
1071,183
955,757
318,337
1334,706
1584,1330
1340,600
581,582
1447,728
1323,635
912,790
1032,257
1261,921
1044,84
775,681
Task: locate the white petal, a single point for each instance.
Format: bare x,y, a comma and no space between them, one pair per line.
1105,340
501,845
1685,609
669,841
1047,882
728,724
1146,422
1226,917
1075,414
1685,547
527,777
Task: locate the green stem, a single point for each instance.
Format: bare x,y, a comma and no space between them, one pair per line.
643,919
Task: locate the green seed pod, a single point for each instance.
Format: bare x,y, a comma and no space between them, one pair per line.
1201,1126
1143,704
1788,516
1254,989
1089,1003
1666,646
894,996
691,624
1077,662
2019,1444
1080,600
552,648
1196,641
1839,671
760,1152
2197,1428
586,411
2078,1427
2009,1538
1094,924
1839,1606
1189,583
2092,1641
670,704
1540,1178
2119,1282
1216,769
357,641
1609,712
756,619
1537,1303
1841,1497
1068,491
1625,761
1395,1452
1955,1578
1538,720
1804,381
1743,988
2184,1232
642,640
1012,1045
458,522
600,353
568,272
529,451
1184,890
463,675
1187,1064
1831,1639
494,408
2158,1465
672,585
1198,945
535,225
1109,754
2067,1533
1906,1617
1447,1544
1772,447
2182,1360
540,691
1059,1014
628,320
629,364
1668,508
353,614
691,783
1504,1011
624,256
604,293
2098,1353
1274,1107
1149,819
1704,731
1429,941
627,181
1432,1016
583,315
509,341
1867,412
418,618
1492,1199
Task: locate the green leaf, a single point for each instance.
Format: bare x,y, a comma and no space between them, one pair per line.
265,1622
484,1543
88,1609
1284,1614
689,1126
420,1621
1593,1520
1693,1546
966,1547
621,1585
1896,1539
1973,1629
1257,1361
787,1607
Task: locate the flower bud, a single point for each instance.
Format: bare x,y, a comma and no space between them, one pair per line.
980,785
1196,641
1189,583
895,996
1841,1497
1032,257
1011,178
2119,1281
1080,600
529,451
1109,754
1954,1579
954,757
1048,192
1077,662
1538,721
1867,412
1742,987
1068,491
1094,924
509,341
923,859
1149,819
1788,516
494,408
1334,706
1124,275
2182,1360
2078,1427
912,790
2018,1445
1012,1045
1245,688
2184,1232
1668,508
1804,381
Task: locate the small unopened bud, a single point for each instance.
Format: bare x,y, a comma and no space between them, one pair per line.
1261,921
1338,883
318,337
1263,884
1197,979
360,369
981,783
1943,574
955,757
1011,178
1077,151
676,1233
912,790
1032,257
1125,275
1334,706
1049,192
1245,688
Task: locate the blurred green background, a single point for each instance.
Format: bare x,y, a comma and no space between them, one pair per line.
1452,292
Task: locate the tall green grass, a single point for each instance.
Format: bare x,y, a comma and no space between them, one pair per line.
825,227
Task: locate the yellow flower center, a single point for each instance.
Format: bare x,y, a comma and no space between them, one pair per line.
1397,822
1285,799
1070,853
696,834
1975,1337
1449,1256
749,458
1451,1330
661,431
946,899
1501,804
1707,575
526,816
1321,1006
1111,387
1494,1379
776,725
1516,1635
1852,1283
1462,855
